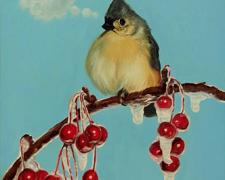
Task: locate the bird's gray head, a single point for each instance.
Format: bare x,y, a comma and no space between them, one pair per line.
123,20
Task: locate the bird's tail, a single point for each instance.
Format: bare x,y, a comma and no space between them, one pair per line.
150,111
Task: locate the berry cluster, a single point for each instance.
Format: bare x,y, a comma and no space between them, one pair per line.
80,134
168,147
93,136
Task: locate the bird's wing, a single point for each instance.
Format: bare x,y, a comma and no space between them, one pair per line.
154,51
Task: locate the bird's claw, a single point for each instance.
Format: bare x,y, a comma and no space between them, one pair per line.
122,94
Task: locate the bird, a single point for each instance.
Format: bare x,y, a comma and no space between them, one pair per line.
125,56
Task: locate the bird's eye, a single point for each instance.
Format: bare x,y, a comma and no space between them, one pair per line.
122,22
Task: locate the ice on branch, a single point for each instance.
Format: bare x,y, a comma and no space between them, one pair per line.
137,112
137,108
169,176
32,164
196,99
82,159
164,114
166,145
196,91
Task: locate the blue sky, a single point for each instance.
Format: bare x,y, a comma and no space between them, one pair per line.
42,65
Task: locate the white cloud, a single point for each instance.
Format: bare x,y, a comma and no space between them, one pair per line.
87,12
54,9
75,10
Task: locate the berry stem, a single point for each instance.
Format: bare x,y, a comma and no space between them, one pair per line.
58,160
74,161
83,112
37,165
75,109
72,106
181,90
68,163
84,108
77,117
82,117
173,96
167,67
64,171
78,126
22,154
169,79
94,158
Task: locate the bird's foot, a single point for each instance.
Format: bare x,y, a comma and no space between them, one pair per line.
122,94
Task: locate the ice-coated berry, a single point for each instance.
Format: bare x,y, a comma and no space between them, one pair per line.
83,144
93,132
155,149
90,175
68,133
164,102
167,130
172,167
104,135
27,174
178,146
41,174
53,177
180,120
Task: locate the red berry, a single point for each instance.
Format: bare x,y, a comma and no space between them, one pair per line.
68,133
172,167
180,120
90,175
41,174
93,133
178,146
155,149
167,130
53,177
27,174
83,144
104,135
164,102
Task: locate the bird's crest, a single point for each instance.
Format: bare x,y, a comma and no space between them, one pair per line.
119,9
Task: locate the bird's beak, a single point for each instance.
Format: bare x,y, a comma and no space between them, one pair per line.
107,26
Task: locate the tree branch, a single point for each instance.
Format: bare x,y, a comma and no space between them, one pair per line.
110,102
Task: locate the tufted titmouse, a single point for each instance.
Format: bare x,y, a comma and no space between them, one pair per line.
125,56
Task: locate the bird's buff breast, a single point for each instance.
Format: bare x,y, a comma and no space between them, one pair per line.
116,62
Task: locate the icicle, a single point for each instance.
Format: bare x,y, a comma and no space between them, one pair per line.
137,112
25,144
82,159
32,164
164,115
169,176
166,145
196,99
